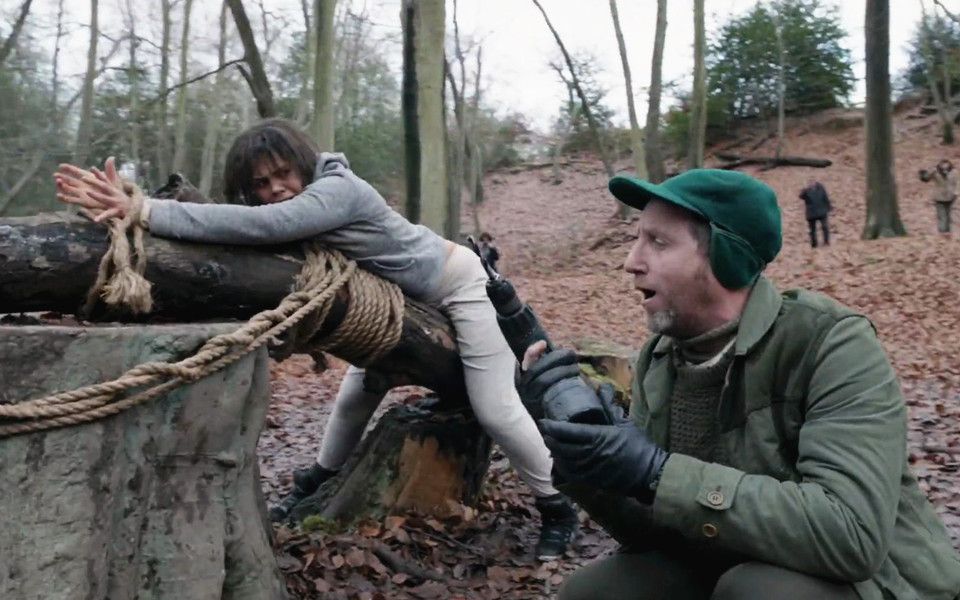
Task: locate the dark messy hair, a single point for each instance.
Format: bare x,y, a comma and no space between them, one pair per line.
270,139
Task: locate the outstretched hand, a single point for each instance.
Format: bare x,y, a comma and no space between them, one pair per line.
99,193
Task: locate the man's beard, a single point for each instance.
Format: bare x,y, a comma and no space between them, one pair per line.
663,321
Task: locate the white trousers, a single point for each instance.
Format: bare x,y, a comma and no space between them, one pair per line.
488,368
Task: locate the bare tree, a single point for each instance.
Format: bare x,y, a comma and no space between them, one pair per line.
212,133
781,76
163,137
698,108
459,154
636,136
254,74
476,149
584,104
883,215
133,75
653,153
322,122
11,41
85,127
408,100
180,130
423,113
940,101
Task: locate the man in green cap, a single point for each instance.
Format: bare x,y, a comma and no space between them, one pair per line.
765,453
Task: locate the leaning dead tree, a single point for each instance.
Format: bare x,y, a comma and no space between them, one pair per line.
431,460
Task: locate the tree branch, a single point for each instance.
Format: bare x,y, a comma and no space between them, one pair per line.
17,26
952,16
173,88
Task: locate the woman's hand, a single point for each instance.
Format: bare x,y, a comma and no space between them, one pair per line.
99,192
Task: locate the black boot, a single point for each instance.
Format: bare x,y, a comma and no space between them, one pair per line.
305,482
558,526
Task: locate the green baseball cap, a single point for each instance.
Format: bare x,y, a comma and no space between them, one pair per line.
744,217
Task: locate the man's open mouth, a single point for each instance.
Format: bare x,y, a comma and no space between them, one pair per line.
647,293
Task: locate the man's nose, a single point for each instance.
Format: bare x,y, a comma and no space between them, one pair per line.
635,264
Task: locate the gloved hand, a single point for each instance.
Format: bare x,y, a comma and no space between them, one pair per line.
551,368
618,457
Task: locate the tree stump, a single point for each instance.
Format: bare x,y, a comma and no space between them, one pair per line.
414,459
160,501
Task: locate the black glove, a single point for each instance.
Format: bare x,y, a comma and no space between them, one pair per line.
617,457
553,367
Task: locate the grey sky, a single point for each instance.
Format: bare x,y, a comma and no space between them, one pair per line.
517,43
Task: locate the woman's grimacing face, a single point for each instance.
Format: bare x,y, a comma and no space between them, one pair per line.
275,180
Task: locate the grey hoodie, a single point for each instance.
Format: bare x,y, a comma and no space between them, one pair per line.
338,209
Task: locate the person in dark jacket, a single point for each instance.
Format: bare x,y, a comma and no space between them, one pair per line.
817,209
488,251
765,451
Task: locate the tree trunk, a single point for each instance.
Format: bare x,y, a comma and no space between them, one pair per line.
180,130
85,127
10,43
636,135
208,157
883,215
698,107
256,77
411,126
476,149
134,76
940,101
163,138
654,154
160,501
781,77
428,55
322,123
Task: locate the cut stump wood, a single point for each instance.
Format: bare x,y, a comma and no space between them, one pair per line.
160,501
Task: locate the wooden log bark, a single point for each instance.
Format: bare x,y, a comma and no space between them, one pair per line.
160,501
48,262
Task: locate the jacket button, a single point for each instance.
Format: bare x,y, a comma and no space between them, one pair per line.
710,530
715,498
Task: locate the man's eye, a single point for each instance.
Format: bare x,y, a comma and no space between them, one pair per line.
259,183
658,242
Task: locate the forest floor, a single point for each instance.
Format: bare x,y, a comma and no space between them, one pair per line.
564,254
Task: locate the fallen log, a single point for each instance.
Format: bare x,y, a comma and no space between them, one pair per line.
47,263
771,162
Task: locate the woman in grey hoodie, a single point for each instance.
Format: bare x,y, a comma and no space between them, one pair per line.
282,189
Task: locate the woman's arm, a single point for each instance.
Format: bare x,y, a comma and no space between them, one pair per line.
328,203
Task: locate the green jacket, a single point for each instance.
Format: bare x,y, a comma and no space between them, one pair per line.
815,427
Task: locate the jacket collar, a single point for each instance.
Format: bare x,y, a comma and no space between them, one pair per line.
761,310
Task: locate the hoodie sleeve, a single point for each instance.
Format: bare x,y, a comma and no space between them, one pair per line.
328,203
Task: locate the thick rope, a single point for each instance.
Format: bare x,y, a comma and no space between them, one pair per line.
371,328
118,281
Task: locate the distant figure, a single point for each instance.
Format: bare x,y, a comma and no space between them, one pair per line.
944,192
488,251
818,207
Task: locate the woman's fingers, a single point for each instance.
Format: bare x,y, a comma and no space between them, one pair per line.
110,166
113,212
